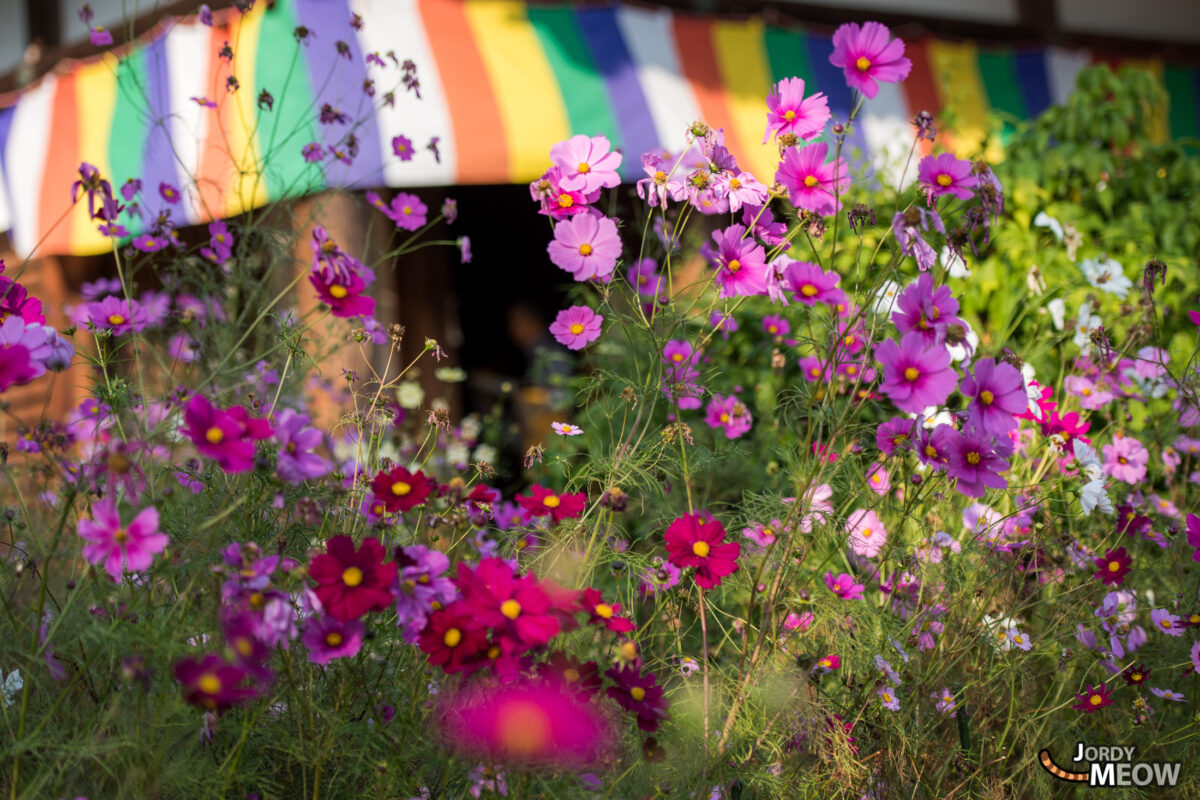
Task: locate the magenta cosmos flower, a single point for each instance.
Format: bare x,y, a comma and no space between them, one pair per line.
811,285
975,461
740,262
587,163
586,246
121,547
945,174
869,55
227,437
998,395
576,327
915,376
844,586
1125,459
789,111
693,541
328,638
812,183
730,414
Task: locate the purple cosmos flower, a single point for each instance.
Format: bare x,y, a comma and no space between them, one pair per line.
402,146
976,460
868,55
586,246
644,276
408,212
576,327
776,325
328,638
740,262
915,376
226,436
867,534
812,183
742,190
1165,622
660,182
844,586
117,315
121,547
998,393
205,15
220,243
659,577
1018,639
887,696
100,37
927,310
150,243
313,152
789,111
169,193
945,174
420,586
896,433
587,163
909,225
297,463
730,414
1126,459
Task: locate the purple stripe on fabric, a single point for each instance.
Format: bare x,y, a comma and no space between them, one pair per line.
603,36
159,164
6,121
338,80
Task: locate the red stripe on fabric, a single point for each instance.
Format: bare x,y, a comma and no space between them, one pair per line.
61,170
920,89
698,60
480,146
216,170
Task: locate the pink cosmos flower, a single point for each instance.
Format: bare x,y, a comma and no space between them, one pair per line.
227,436
867,534
407,211
1126,459
878,479
117,315
342,292
776,325
810,284
789,111
742,190
1193,535
566,429
587,163
914,376
1092,395
120,547
818,505
402,146
576,327
976,460
844,586
661,181
812,184
586,246
998,393
23,352
740,262
693,541
868,55
945,174
927,309
728,413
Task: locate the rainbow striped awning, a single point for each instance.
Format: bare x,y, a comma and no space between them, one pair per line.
500,82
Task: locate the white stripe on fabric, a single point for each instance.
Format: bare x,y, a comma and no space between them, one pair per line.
651,42
28,146
188,65
397,25
887,127
1062,68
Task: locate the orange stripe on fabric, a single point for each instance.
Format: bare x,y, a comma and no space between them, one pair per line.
216,169
480,146
699,64
62,170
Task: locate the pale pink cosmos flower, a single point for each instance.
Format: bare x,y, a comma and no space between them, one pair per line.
1126,459
576,327
867,534
120,547
878,479
789,111
566,429
587,163
819,507
869,55
586,246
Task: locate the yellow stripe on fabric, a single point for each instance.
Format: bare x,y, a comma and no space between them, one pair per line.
95,103
956,72
529,98
249,189
746,77
1156,125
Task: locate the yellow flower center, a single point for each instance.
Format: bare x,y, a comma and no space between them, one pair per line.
551,501
400,488
452,637
986,397
638,693
120,536
565,201
724,418
577,328
214,435
352,577
789,115
333,639
116,319
571,675
811,181
1114,566
866,533
930,451
585,249
944,180
1166,623
808,290
1096,700
510,609
660,177
244,646
734,265
863,63
911,374
773,329
584,168
337,291
209,683
603,610
407,210
701,549
973,457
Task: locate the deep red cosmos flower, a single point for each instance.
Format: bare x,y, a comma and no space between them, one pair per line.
517,607
582,678
401,490
1113,566
213,683
451,640
1094,699
601,613
350,583
542,501
693,541
639,694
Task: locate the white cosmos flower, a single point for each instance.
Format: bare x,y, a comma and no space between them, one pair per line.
1044,220
1107,276
10,686
1032,393
1086,324
884,301
1058,312
955,265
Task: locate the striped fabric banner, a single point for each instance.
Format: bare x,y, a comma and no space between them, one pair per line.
500,82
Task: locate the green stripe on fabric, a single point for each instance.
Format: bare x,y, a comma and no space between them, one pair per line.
584,92
787,56
999,72
1184,92
280,69
127,136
